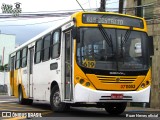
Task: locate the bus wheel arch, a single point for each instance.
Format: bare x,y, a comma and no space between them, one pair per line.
55,100
54,83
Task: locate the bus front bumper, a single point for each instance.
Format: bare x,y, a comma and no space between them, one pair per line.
84,94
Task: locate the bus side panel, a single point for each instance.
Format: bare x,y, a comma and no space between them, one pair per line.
23,82
41,79
17,82
11,74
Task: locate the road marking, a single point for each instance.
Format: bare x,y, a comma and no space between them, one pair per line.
16,118
48,112
18,107
4,101
13,103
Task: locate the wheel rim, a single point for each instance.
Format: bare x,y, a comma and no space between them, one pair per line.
56,99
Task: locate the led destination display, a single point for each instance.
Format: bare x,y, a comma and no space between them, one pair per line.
112,19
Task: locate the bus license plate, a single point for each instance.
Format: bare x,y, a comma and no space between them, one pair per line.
116,96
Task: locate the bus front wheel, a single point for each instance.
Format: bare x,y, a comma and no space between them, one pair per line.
55,101
115,108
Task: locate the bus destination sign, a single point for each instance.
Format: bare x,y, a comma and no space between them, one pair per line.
112,19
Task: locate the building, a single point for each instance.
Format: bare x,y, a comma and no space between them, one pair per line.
7,45
150,10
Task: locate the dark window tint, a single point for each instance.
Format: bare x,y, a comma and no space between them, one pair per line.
12,63
24,57
56,44
46,48
18,60
38,51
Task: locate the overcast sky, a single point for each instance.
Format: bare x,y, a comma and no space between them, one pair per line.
26,28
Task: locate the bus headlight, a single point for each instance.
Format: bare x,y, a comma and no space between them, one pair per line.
147,82
77,78
87,84
143,85
84,82
81,81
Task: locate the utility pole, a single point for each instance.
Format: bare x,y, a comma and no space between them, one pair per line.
121,2
102,6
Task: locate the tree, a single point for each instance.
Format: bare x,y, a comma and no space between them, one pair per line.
1,68
5,67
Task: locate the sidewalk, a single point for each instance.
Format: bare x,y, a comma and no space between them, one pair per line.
142,109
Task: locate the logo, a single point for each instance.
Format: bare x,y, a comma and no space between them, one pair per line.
6,114
118,79
9,9
116,73
22,115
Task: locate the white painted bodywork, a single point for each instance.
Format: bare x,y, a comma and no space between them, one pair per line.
84,94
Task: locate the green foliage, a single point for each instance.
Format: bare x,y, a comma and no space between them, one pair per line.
5,67
1,68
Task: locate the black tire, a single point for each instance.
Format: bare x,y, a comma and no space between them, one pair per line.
20,96
28,101
22,100
55,101
115,108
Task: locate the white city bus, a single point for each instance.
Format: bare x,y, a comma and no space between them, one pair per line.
90,57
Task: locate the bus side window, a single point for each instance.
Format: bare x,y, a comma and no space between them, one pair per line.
9,64
46,48
24,57
55,44
38,51
18,60
12,63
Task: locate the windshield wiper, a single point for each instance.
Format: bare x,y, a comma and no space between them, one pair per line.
126,36
106,36
121,45
124,40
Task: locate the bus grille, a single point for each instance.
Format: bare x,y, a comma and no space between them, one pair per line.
116,79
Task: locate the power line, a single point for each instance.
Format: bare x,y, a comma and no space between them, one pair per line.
35,23
110,3
89,4
80,5
46,14
39,15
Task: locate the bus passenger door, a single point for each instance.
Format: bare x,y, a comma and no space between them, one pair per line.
30,67
68,91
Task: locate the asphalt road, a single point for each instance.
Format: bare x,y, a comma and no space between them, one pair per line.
9,107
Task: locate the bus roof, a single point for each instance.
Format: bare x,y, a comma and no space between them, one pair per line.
58,23
65,20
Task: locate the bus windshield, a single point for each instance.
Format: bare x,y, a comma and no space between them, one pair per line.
112,49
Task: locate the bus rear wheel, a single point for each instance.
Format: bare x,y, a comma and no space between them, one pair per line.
115,108
21,99
55,101
20,96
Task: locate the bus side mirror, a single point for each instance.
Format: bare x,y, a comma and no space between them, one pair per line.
151,46
74,32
